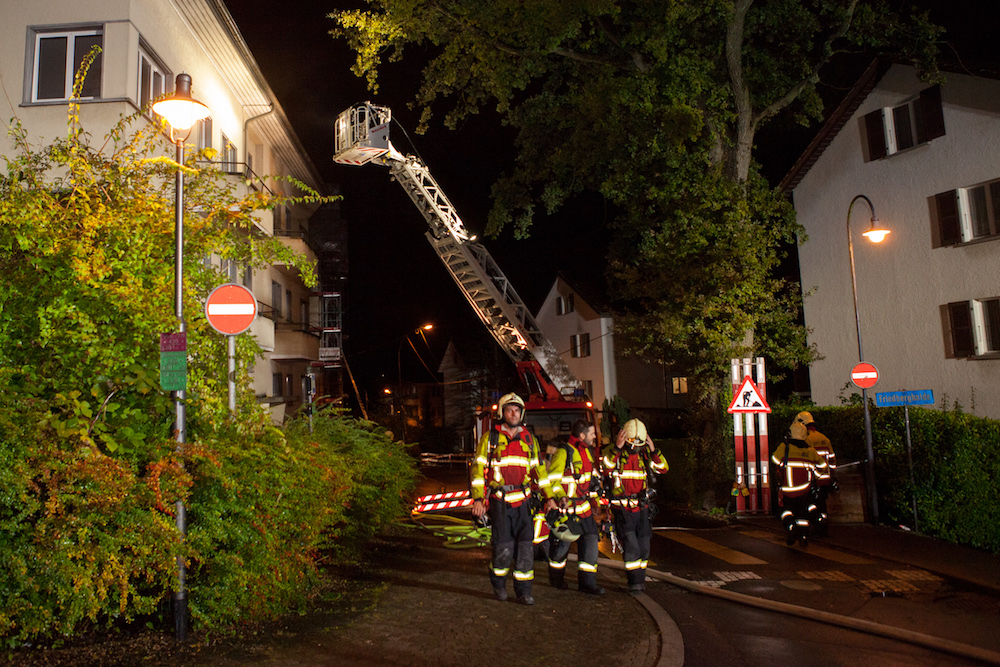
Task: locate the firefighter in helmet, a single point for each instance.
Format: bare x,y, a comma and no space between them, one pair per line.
799,468
573,469
506,462
632,461
825,484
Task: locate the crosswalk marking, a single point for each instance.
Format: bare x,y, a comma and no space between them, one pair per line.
813,548
711,548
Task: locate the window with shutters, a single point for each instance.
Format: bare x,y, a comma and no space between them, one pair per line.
972,328
891,130
564,305
153,80
56,59
579,345
967,214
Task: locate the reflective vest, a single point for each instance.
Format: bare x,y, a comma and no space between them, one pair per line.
629,476
511,465
821,444
571,470
799,468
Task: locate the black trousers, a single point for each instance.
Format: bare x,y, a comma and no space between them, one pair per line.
586,549
634,532
512,544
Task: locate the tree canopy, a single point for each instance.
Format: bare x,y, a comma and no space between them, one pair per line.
655,104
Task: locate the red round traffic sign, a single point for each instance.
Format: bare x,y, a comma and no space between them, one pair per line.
231,309
864,375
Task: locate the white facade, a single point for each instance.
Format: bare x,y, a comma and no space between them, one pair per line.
906,283
584,338
146,43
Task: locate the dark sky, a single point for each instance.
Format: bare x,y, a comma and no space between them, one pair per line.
396,282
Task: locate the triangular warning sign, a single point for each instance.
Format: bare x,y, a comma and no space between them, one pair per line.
748,399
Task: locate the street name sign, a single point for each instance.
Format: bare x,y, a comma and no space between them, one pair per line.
231,309
895,399
864,375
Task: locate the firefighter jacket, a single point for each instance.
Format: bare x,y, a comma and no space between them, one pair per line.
572,470
799,465
504,467
629,474
821,444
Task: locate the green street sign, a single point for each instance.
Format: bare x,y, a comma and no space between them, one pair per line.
173,362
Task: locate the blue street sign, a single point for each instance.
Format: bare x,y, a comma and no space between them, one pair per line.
897,399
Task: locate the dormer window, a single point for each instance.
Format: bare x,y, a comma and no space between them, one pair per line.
895,129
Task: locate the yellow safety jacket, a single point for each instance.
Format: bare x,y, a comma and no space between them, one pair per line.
800,466
822,445
571,469
510,465
629,475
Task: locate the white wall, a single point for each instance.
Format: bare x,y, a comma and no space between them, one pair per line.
903,281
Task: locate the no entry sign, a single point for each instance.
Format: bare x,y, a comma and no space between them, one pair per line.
864,375
231,309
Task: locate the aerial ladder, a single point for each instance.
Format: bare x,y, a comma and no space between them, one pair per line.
362,136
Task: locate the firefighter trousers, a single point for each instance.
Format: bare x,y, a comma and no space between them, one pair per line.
511,542
634,532
586,550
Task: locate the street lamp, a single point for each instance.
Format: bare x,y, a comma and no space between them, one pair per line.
181,112
875,236
399,370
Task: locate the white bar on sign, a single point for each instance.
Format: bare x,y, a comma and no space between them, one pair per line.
231,309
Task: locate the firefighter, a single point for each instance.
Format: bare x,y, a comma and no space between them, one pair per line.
800,467
506,460
631,462
821,444
573,469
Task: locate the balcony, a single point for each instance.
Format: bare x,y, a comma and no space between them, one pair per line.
292,341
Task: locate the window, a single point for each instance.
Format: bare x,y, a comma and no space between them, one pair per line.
564,304
277,218
288,304
204,134
276,298
229,164
967,214
276,384
248,277
230,269
304,313
679,385
588,388
894,129
579,345
58,55
153,80
972,328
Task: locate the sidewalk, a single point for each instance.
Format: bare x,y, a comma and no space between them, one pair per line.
894,544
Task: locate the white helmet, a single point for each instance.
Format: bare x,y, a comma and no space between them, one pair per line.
798,430
565,527
507,399
635,432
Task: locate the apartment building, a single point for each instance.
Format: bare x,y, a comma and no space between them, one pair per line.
145,44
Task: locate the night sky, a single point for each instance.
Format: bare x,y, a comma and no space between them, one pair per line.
396,282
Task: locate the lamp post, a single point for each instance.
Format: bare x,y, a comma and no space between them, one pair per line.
399,372
875,236
181,112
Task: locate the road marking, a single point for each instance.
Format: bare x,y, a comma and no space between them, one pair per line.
813,548
711,548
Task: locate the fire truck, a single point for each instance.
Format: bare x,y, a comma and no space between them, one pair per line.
555,398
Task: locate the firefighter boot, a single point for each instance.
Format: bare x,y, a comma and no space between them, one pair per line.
557,578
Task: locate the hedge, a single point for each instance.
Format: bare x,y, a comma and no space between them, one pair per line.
89,540
955,464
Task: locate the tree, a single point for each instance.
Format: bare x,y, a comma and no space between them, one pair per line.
87,255
655,104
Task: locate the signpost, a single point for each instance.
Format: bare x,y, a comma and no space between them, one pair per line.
905,399
750,409
231,309
864,375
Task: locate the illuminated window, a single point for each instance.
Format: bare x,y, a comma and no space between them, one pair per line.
679,385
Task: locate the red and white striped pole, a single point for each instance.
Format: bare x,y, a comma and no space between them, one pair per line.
739,443
764,452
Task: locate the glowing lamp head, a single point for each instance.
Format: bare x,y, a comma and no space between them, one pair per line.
180,109
876,235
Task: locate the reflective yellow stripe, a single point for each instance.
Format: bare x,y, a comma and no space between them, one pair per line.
524,576
633,565
557,566
478,482
500,572
587,567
